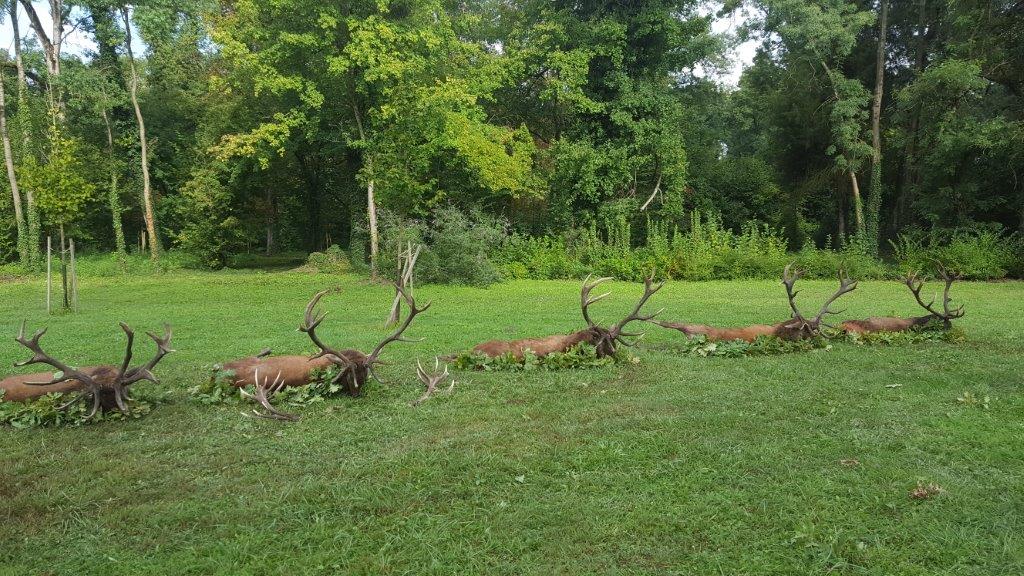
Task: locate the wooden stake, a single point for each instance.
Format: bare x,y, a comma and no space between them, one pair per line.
49,271
74,279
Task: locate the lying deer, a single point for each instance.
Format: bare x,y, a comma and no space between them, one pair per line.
106,386
896,324
354,366
603,339
795,328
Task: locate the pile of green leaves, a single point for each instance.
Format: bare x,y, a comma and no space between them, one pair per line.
42,412
762,346
219,390
579,356
929,333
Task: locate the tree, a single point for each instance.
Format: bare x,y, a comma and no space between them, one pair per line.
12,176
147,194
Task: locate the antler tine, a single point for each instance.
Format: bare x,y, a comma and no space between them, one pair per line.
41,357
421,373
586,300
789,278
649,290
946,300
396,336
846,285
145,372
130,335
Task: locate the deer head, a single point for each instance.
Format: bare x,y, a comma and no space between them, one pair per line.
606,339
799,326
106,387
355,366
948,314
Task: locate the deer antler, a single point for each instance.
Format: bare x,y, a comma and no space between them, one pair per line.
145,372
586,300
66,372
311,321
846,285
915,284
649,290
789,278
431,380
396,336
262,393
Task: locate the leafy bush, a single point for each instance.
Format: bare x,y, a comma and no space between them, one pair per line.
457,246
706,251
579,356
333,260
762,346
976,254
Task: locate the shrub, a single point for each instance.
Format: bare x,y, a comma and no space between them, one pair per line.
976,254
333,260
457,246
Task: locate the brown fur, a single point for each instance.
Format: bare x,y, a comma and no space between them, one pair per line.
539,346
885,324
17,389
300,370
788,330
293,370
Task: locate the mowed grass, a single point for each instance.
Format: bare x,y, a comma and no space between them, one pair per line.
678,465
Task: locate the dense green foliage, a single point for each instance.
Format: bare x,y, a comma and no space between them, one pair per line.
786,464
268,123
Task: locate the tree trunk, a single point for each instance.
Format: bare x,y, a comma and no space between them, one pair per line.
875,191
371,209
64,269
147,199
114,194
371,202
858,205
32,239
271,212
19,218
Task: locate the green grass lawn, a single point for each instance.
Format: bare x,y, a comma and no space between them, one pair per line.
680,465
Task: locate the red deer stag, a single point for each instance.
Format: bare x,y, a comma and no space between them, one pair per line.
355,366
795,328
295,370
106,386
895,324
603,339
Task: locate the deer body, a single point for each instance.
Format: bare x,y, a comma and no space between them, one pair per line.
885,324
796,328
894,324
106,386
788,330
539,346
17,388
603,339
292,370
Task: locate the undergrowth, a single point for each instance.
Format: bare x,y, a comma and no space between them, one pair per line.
579,356
220,390
43,412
